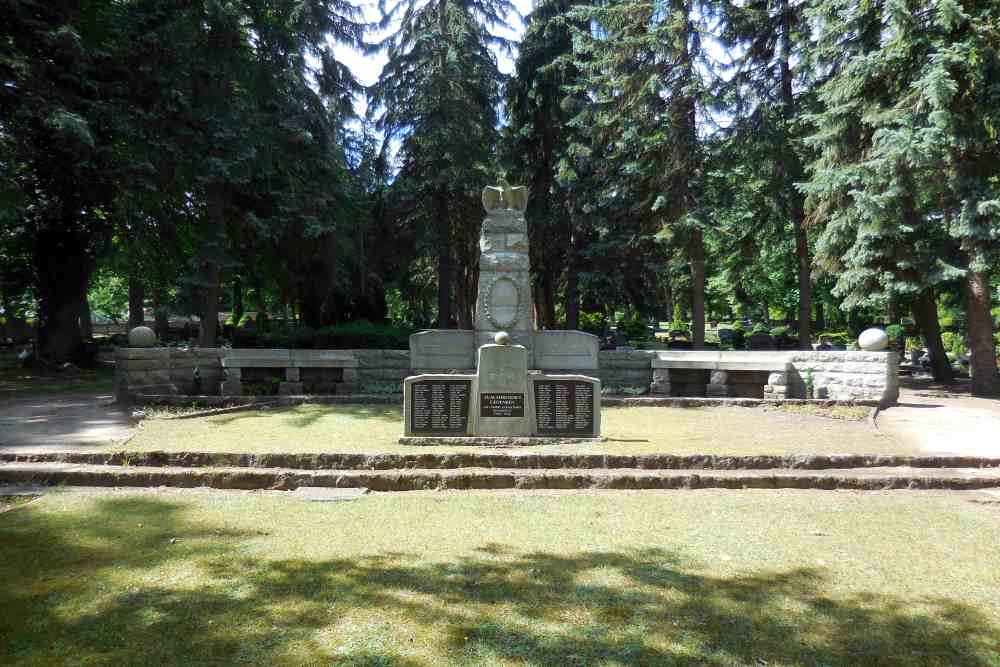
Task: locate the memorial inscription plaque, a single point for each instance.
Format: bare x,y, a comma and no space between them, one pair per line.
564,407
503,404
440,407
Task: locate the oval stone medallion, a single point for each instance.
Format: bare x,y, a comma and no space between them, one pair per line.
504,301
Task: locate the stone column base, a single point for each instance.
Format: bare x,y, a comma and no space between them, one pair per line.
231,388
661,381
290,388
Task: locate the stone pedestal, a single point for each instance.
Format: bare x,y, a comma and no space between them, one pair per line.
718,385
232,382
502,405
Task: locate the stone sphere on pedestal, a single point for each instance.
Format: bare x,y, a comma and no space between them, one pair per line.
873,340
142,337
502,338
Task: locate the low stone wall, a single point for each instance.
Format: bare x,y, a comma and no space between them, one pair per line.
845,376
166,370
382,366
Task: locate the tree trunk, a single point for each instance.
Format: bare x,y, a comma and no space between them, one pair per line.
698,289
791,169
63,273
572,288
216,220
548,299
136,298
892,310
982,346
161,323
668,300
86,323
444,264
926,317
237,299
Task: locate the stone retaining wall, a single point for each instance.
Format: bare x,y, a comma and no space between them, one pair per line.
865,376
166,370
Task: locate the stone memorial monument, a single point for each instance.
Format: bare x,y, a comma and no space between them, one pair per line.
503,403
488,385
503,302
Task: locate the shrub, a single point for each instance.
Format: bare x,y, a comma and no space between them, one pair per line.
894,332
633,328
592,323
349,336
954,344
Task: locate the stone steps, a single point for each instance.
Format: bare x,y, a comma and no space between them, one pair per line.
416,479
506,459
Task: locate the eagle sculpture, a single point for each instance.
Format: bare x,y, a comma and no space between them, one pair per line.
504,196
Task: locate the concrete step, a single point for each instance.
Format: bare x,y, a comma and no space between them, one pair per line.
878,478
497,459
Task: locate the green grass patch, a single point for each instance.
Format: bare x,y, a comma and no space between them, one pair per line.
631,430
10,502
614,578
21,382
845,412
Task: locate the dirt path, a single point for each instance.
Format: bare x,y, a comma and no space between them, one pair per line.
943,420
61,422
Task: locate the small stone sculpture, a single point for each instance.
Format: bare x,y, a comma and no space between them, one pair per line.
505,196
873,340
142,337
502,338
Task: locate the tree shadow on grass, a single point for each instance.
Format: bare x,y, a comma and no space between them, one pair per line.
308,414
95,586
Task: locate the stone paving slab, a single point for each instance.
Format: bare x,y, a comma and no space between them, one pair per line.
491,478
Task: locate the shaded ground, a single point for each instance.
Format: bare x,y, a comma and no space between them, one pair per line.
61,421
614,578
631,430
16,382
943,419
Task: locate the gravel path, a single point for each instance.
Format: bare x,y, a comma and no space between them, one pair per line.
943,420
62,422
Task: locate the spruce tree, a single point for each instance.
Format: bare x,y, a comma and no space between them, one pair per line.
641,64
437,99
907,179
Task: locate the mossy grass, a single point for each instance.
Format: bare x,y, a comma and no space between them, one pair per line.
177,577
630,430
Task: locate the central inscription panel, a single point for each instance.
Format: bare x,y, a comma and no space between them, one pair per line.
564,407
505,404
440,407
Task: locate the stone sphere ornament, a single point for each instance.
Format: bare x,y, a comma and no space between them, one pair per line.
873,340
502,338
142,337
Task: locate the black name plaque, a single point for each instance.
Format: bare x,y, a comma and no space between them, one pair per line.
564,407
440,407
505,404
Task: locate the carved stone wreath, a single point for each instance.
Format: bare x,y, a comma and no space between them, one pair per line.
488,305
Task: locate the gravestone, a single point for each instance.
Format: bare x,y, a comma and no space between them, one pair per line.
502,403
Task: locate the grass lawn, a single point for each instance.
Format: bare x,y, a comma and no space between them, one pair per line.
632,430
26,381
175,577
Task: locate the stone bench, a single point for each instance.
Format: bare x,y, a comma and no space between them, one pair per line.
715,373
301,368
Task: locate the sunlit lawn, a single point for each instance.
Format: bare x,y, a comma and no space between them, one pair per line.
653,578
632,430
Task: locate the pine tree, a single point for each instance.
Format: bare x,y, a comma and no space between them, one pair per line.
641,64
907,180
766,91
437,98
